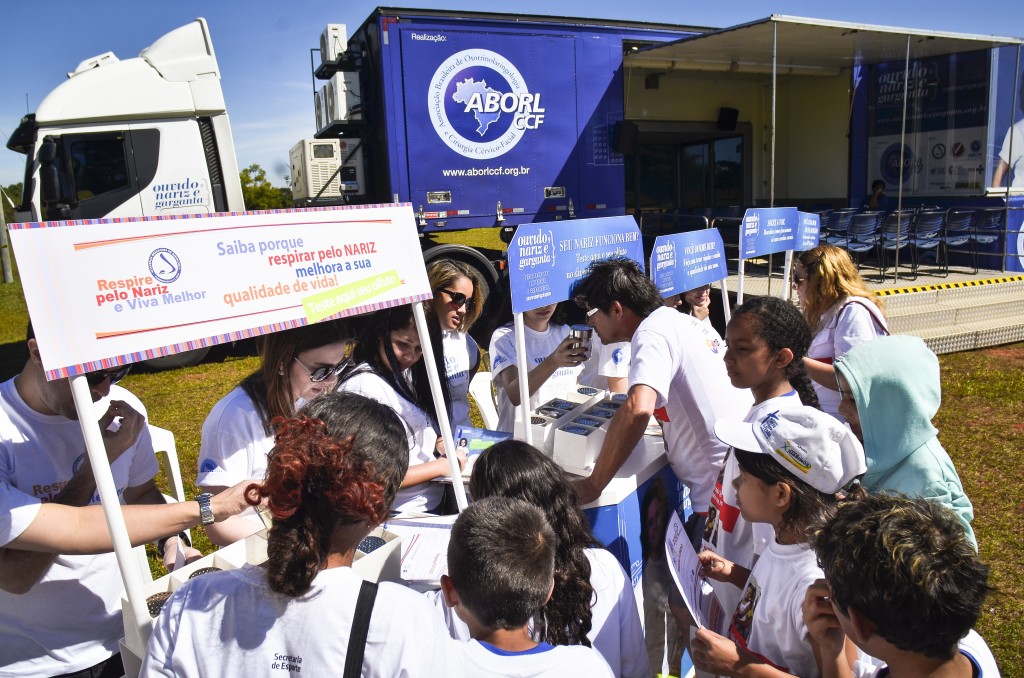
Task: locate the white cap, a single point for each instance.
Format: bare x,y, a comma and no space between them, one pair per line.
810,444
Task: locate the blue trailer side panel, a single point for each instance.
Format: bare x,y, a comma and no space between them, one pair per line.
486,112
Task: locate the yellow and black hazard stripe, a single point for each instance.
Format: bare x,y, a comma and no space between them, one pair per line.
949,285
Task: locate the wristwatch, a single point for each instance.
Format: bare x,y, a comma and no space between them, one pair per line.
205,512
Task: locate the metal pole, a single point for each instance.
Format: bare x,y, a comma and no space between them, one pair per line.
5,247
1009,155
524,377
903,146
439,409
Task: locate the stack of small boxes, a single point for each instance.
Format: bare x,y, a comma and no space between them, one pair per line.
578,442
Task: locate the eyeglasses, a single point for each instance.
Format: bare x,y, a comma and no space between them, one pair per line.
94,379
797,280
581,301
458,299
839,387
323,373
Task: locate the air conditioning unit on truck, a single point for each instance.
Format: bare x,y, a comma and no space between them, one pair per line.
141,137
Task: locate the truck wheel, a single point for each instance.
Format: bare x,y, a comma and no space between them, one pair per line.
183,359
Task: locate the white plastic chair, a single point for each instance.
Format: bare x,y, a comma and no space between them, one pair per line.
482,392
167,456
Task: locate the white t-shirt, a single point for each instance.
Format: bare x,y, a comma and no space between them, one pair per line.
71,619
606,360
461,356
1017,166
972,646
850,322
675,354
482,660
727,532
769,619
539,345
234,445
422,437
17,511
231,624
616,631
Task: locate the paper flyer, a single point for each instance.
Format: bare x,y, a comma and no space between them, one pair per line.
685,568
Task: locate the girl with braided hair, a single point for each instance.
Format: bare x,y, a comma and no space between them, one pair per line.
592,601
767,339
331,478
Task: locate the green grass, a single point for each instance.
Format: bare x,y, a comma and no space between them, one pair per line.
980,425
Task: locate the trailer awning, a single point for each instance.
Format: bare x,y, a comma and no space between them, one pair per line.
805,47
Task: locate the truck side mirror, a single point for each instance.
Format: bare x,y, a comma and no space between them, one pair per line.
49,181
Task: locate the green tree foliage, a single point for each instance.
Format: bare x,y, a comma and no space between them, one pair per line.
14,194
259,194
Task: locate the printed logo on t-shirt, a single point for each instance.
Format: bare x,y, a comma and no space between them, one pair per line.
286,662
743,617
743,621
713,345
617,356
497,360
207,466
78,462
727,515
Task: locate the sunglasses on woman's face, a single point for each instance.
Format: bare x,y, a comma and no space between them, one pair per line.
458,300
322,373
94,379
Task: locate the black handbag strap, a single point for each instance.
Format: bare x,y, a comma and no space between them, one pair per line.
360,628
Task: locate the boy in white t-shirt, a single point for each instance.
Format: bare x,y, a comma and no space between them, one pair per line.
904,583
501,564
676,373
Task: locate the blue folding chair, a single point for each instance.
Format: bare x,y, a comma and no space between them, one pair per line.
862,235
959,231
988,228
928,236
894,235
834,231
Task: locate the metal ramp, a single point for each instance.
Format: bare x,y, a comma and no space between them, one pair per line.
960,312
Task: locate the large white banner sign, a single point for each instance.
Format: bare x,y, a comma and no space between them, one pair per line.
109,292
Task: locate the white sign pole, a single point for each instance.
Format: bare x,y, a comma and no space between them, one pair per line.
524,376
739,283
725,301
787,287
126,561
439,409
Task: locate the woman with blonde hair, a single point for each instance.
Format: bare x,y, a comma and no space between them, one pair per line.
458,301
842,311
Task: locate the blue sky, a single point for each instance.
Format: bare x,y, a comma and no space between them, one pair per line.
263,46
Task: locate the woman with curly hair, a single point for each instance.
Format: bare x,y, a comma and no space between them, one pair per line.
592,601
391,370
842,311
331,478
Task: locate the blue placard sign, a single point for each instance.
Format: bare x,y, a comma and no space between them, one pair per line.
545,259
767,231
808,231
685,261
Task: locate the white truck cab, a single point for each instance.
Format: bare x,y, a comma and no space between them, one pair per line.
141,137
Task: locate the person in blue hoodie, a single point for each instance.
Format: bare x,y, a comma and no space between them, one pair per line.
890,392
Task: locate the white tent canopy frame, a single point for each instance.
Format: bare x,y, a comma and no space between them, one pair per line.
799,46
